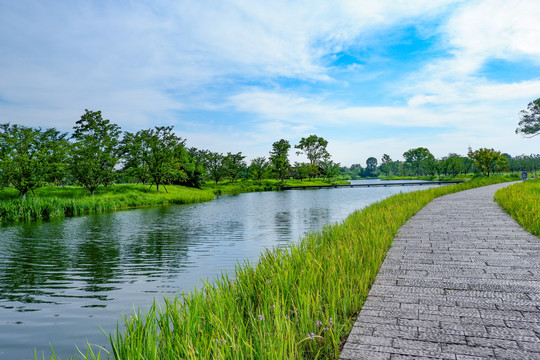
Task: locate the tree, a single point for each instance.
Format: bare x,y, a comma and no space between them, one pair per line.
330,168
57,150
161,151
258,168
279,158
416,157
234,164
371,166
452,164
30,157
385,166
132,155
95,151
314,147
214,166
486,160
529,124
301,170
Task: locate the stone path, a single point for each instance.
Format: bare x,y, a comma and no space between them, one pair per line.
461,281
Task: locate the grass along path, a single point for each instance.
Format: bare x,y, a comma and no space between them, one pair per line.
522,202
54,202
296,303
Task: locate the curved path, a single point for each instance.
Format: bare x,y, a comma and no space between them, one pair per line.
461,281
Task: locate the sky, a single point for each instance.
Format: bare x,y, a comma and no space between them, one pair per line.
371,77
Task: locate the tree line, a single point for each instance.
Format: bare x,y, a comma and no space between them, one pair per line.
420,162
99,153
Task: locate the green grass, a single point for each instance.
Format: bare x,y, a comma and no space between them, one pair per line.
54,202
242,186
296,303
522,202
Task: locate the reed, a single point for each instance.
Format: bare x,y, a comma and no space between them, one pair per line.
522,202
298,302
57,202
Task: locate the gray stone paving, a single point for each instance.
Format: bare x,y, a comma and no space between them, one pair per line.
461,281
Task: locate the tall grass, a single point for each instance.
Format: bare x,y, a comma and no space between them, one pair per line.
57,202
295,303
522,202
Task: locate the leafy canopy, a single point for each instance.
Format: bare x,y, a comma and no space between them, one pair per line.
314,147
488,161
279,158
95,150
31,157
529,124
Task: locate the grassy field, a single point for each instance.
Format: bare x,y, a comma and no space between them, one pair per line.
296,303
522,202
61,201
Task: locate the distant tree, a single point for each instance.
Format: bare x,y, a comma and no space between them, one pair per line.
215,166
452,164
330,168
355,171
371,166
94,152
279,158
31,157
385,166
192,165
487,160
529,124
431,166
416,157
314,147
234,164
301,170
132,157
258,168
159,150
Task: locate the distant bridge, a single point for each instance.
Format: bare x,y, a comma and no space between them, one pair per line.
385,184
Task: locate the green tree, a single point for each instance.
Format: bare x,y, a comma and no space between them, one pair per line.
161,151
529,124
301,170
30,157
215,166
234,164
330,169
385,166
258,168
416,157
371,166
279,158
132,156
452,164
95,151
486,160
314,147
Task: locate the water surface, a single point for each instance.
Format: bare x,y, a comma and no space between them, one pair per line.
63,280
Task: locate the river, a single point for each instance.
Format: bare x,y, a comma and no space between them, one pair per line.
63,280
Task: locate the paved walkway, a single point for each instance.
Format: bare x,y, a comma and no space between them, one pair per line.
461,281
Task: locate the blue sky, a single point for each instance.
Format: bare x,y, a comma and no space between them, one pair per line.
371,77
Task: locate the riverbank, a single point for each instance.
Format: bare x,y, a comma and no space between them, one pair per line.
297,303
65,201
243,186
